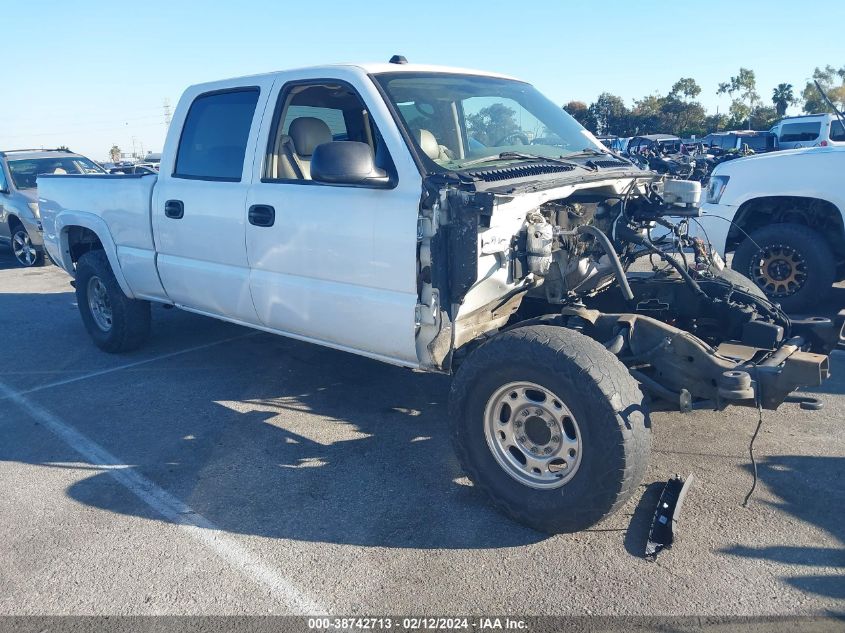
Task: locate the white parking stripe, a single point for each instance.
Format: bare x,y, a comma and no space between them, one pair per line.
172,509
109,370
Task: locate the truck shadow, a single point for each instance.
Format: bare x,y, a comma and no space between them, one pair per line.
271,437
810,489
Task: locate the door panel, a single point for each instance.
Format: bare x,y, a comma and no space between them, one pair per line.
339,263
337,266
202,258
199,203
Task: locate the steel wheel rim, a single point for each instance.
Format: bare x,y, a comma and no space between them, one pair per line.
99,304
779,270
22,248
532,435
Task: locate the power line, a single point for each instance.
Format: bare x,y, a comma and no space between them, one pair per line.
167,116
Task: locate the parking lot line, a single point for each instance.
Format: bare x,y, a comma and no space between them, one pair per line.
109,370
169,507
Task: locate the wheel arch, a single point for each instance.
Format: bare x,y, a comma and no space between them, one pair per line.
79,233
12,220
815,213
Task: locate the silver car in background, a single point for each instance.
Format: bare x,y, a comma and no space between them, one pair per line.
20,221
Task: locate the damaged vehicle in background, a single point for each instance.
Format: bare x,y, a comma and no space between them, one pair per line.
464,224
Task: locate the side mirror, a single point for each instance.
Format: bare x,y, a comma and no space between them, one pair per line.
348,163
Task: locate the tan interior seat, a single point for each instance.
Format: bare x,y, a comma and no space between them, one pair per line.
297,147
428,144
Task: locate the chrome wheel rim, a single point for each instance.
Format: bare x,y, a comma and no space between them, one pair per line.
532,435
99,304
23,249
779,270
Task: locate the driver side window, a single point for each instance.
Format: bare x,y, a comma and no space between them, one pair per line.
311,114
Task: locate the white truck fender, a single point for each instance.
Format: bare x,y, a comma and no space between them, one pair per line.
66,219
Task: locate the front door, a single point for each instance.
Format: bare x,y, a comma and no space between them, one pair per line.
335,264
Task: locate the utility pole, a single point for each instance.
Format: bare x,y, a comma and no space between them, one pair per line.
167,115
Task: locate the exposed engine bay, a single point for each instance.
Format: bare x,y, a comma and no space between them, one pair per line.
621,261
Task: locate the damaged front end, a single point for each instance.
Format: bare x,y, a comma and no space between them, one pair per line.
497,250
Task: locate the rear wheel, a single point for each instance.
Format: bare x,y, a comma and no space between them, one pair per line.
24,252
550,426
115,322
791,263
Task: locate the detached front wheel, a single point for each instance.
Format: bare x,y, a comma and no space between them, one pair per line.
550,426
115,322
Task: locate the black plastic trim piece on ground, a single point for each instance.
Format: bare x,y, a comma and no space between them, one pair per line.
662,533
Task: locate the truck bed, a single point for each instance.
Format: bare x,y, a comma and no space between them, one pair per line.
118,204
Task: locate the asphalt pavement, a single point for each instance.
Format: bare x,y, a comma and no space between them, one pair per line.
223,471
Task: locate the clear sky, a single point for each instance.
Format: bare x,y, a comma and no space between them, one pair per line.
91,74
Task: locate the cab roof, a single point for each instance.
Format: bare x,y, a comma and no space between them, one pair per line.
24,154
380,67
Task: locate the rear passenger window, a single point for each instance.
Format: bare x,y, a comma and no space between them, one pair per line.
793,132
837,131
214,137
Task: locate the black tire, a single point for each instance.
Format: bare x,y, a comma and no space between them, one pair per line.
605,401
18,231
817,269
130,318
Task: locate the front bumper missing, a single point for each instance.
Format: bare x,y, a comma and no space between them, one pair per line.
680,368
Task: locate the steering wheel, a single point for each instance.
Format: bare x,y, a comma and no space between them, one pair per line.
513,136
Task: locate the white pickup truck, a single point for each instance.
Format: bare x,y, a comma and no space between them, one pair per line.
450,221
782,213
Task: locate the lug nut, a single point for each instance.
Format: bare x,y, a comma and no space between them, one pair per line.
517,423
547,450
555,438
520,438
550,424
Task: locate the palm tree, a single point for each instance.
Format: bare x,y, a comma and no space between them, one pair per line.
782,97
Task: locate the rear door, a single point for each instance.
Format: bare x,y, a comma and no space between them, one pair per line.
332,263
199,203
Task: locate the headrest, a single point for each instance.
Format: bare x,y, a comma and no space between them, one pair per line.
428,143
307,133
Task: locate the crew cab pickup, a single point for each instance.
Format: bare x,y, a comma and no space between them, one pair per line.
782,213
444,220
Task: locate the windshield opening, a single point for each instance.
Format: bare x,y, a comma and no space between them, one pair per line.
457,119
24,172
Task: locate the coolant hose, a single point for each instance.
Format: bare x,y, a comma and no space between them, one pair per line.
602,239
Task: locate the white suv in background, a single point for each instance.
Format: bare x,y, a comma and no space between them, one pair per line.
811,130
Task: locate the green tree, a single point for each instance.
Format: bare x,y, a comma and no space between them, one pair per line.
715,123
581,113
492,124
114,154
764,117
742,90
683,118
684,89
610,114
782,97
832,81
